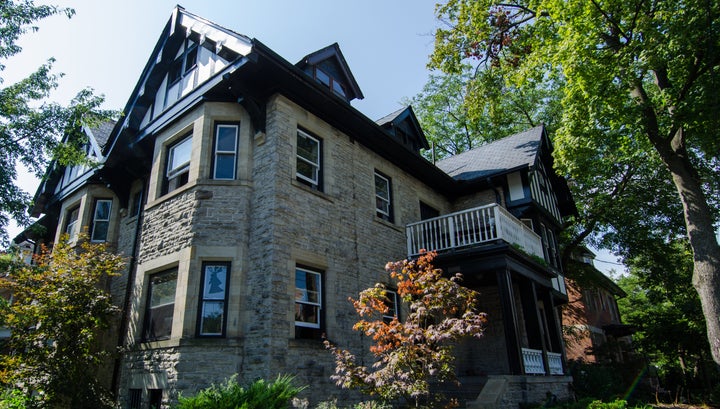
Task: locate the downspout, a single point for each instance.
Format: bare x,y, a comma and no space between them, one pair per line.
132,272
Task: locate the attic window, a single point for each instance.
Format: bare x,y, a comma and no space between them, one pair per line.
330,82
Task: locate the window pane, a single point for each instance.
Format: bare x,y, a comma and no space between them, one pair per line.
307,314
100,231
212,318
226,138
308,148
214,285
307,170
382,188
322,76
163,289
161,305
179,155
338,88
308,298
308,286
224,166
102,210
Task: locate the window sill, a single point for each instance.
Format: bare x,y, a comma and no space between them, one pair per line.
170,195
308,189
224,182
389,224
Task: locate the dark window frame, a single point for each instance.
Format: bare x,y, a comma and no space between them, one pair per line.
135,398
203,299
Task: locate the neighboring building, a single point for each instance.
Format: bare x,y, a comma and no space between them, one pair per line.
594,330
252,200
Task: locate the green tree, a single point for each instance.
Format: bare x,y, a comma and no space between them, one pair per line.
418,350
668,318
637,81
459,112
32,132
59,308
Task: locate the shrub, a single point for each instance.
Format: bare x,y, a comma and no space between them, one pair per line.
231,395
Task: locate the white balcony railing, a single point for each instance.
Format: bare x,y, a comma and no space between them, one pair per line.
533,361
534,365
471,227
555,363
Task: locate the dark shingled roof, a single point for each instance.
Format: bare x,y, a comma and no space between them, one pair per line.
512,152
102,132
389,117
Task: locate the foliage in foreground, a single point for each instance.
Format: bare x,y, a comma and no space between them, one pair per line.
414,353
58,310
231,395
592,403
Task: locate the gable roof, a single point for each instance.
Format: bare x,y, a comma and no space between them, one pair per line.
501,156
333,53
405,119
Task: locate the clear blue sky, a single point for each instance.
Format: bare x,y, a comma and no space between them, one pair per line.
107,43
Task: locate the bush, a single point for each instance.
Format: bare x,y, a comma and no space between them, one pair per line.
231,395
13,399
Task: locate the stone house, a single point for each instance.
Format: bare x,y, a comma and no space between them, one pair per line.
252,200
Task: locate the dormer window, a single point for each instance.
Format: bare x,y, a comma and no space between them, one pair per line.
330,82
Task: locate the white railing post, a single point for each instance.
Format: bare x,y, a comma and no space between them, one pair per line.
555,363
533,361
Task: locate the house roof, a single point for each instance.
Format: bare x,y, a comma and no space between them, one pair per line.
405,119
513,152
332,52
101,132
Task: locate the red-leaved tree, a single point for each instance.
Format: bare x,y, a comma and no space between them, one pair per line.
417,351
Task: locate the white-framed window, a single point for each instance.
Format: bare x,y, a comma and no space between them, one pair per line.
72,221
383,196
225,157
160,305
178,164
308,298
101,220
308,165
213,299
392,302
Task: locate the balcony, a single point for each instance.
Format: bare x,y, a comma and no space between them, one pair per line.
472,227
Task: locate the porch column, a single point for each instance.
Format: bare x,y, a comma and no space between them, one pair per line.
533,320
510,322
554,327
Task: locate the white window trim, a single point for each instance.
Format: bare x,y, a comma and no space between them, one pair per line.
387,200
219,152
392,295
316,166
96,220
317,304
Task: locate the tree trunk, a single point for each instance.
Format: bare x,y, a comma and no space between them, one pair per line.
706,251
